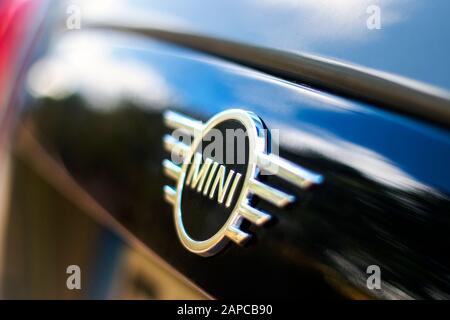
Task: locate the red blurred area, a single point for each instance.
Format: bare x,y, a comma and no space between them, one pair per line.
14,18
15,21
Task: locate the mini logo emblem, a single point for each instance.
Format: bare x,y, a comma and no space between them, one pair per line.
212,197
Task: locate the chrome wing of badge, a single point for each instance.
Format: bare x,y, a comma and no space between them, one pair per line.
258,161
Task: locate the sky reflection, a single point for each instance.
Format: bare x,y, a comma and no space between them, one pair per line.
412,41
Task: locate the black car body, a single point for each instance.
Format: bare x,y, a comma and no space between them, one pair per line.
368,109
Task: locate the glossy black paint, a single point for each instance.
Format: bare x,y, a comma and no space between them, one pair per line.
384,200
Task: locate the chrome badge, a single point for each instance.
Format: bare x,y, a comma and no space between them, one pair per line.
219,192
